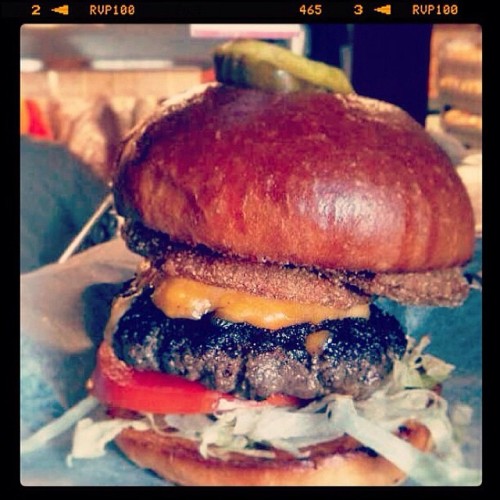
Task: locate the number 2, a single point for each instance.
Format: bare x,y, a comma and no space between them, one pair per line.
35,10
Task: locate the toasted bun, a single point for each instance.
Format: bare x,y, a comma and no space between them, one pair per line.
342,462
313,179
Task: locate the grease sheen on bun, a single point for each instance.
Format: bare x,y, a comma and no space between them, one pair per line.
342,462
313,179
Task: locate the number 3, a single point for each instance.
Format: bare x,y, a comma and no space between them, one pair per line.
358,9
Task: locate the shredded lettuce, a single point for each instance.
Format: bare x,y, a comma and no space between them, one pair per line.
422,405
90,438
58,426
425,468
418,370
278,427
372,422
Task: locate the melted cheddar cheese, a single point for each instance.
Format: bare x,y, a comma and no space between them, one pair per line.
186,298
316,341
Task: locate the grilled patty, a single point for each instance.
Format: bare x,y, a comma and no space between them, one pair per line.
354,356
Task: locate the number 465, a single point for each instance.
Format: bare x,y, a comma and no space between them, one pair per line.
311,10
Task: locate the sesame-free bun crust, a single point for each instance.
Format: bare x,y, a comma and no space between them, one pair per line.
342,462
308,178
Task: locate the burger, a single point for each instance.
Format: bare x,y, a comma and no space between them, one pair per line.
248,348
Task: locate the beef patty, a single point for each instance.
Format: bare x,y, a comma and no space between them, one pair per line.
338,288
353,356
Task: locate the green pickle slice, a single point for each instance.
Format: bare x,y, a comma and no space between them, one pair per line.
262,65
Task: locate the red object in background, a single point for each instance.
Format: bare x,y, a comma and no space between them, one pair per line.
36,123
208,75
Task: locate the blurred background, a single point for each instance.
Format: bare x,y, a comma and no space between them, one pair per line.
83,87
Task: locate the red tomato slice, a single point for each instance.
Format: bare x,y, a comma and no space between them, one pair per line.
117,384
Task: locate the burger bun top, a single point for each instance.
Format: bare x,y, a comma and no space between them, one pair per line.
309,178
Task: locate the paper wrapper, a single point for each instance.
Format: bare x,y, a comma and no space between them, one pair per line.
64,308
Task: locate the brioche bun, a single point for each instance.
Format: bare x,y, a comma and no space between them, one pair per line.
343,462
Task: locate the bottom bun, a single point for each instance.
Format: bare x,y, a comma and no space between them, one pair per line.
342,462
